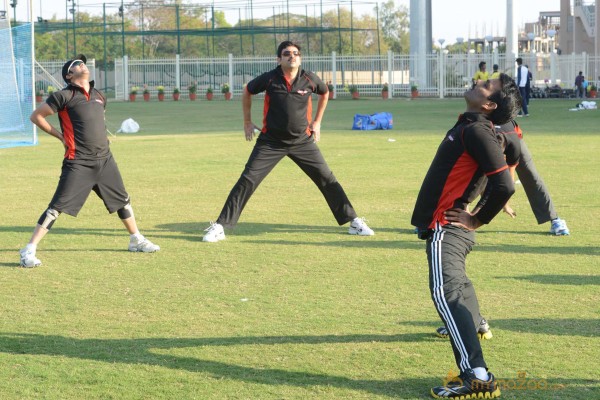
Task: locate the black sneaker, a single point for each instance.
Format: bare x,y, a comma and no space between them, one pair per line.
483,331
467,386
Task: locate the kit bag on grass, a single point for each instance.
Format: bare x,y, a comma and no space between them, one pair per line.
381,120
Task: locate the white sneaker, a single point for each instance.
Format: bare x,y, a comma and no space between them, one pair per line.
28,258
144,246
559,227
214,233
359,227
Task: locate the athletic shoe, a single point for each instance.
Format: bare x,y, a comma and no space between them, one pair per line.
214,233
359,226
483,331
467,386
559,227
144,246
28,258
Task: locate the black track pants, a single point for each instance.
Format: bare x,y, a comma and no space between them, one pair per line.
453,293
263,159
537,193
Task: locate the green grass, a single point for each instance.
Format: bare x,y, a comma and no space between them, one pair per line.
290,306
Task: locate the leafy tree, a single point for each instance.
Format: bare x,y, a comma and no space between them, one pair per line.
395,27
151,32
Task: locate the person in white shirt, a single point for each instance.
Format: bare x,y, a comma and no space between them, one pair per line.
522,76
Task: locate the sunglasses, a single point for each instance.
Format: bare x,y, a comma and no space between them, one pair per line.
75,64
288,53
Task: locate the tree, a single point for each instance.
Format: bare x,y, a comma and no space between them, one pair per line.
395,27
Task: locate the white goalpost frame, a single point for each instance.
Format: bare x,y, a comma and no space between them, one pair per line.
33,61
21,90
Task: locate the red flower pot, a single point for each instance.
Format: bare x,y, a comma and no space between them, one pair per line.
228,96
355,95
161,97
209,96
176,96
193,96
146,96
385,94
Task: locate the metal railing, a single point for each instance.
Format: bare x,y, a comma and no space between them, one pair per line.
441,75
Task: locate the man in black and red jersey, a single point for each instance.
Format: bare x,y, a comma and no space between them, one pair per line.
288,130
470,151
88,162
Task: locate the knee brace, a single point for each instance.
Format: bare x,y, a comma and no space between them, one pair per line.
47,218
125,212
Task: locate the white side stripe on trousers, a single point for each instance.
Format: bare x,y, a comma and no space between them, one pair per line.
439,299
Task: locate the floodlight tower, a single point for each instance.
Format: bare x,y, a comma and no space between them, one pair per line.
420,40
512,35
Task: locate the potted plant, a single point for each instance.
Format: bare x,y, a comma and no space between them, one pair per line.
593,91
385,91
39,94
353,89
226,91
176,94
161,93
132,92
331,90
192,91
209,94
146,93
414,90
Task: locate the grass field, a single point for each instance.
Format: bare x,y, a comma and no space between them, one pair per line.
290,306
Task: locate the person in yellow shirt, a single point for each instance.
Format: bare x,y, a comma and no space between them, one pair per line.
482,74
495,73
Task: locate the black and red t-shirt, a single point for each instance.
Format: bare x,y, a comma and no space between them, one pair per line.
469,152
81,117
287,109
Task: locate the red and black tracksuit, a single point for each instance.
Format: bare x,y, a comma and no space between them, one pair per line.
285,132
469,152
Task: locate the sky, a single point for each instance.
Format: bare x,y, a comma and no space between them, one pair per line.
450,18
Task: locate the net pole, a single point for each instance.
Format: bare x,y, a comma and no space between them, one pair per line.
33,60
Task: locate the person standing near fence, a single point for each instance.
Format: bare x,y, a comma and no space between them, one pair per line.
579,79
88,162
528,84
481,74
288,130
522,78
495,72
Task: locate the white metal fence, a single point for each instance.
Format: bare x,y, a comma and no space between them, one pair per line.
438,75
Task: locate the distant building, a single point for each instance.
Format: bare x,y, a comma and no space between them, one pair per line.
579,33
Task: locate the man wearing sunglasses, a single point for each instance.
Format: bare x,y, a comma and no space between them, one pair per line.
88,162
288,130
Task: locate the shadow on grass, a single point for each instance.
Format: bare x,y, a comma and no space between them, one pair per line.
109,232
140,351
562,327
513,248
559,279
253,229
